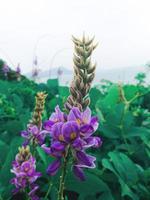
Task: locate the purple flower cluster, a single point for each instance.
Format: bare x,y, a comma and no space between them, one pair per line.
5,69
18,69
25,175
34,135
73,131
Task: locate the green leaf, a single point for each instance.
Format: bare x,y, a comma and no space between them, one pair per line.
125,170
42,155
91,186
130,91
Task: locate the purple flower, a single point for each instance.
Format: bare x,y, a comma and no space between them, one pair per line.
59,71
74,132
33,135
78,173
35,72
35,61
84,160
24,168
18,69
32,194
57,116
88,125
53,167
5,69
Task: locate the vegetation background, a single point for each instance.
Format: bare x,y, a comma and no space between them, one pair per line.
123,161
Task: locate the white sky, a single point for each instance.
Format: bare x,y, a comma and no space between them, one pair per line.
122,28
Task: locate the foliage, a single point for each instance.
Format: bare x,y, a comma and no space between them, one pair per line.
123,161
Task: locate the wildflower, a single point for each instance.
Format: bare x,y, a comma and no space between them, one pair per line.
59,72
57,116
72,132
35,61
5,69
18,69
34,135
35,72
24,168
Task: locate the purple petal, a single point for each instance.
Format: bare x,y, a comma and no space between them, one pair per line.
25,134
98,142
48,125
86,116
16,190
34,188
56,131
34,177
94,123
78,173
93,142
87,129
46,149
85,160
57,146
26,142
75,115
53,168
25,166
41,137
33,129
70,131
59,113
78,144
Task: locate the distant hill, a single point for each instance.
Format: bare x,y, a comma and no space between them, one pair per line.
126,74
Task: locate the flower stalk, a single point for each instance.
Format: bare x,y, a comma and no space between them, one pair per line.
72,133
34,134
24,169
84,73
63,175
39,109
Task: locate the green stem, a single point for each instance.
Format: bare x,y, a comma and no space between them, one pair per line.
126,107
48,191
27,197
63,175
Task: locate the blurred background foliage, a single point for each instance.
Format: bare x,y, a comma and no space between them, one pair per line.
123,161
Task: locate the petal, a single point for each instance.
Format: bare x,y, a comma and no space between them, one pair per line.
57,146
48,125
98,142
53,167
85,160
53,117
59,113
78,173
87,128
74,114
70,131
78,144
26,142
33,129
25,165
34,188
89,142
46,149
94,123
86,116
41,136
56,131
25,134
93,142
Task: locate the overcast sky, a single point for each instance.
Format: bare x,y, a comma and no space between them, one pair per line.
44,28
